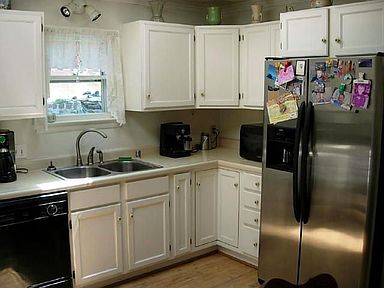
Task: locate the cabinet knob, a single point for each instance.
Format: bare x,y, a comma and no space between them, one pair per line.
198,184
257,202
202,94
324,40
178,187
257,184
236,185
148,96
254,244
119,218
131,215
338,40
256,220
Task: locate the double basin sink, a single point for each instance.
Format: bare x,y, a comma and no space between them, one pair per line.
105,169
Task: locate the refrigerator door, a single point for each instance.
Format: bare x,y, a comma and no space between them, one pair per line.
280,232
333,239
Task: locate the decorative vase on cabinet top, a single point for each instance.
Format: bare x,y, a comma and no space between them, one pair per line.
157,10
213,16
320,3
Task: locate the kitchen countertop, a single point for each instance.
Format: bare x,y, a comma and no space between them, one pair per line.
39,182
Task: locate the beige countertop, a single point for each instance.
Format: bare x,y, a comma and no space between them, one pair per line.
40,182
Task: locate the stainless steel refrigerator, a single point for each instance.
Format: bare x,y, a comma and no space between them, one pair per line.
321,174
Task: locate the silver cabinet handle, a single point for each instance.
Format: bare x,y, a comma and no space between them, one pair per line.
257,202
178,187
254,244
324,40
257,184
338,40
236,185
256,220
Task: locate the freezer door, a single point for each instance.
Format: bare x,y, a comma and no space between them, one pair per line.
333,238
280,232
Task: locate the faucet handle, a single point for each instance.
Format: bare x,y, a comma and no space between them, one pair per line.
101,156
90,156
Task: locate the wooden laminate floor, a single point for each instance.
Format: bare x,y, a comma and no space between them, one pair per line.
213,271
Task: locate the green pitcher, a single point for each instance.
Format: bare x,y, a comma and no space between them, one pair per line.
213,16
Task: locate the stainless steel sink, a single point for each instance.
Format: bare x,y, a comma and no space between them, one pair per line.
128,166
81,172
107,169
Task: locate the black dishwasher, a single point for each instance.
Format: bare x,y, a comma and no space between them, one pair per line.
34,242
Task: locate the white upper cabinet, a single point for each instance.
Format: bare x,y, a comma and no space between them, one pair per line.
304,33
217,66
357,28
257,42
21,68
158,62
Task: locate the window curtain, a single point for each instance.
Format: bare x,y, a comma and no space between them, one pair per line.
83,48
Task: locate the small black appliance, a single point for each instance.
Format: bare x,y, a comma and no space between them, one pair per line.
173,138
251,141
7,156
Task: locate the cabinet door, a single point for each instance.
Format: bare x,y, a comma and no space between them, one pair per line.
206,206
148,227
357,29
96,241
217,66
255,46
304,33
275,39
228,207
181,213
169,66
21,69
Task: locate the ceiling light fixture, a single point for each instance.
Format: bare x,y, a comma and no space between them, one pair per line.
80,7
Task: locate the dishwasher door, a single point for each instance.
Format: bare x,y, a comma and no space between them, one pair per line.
34,242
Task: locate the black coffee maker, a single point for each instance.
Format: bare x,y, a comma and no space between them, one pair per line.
7,156
175,140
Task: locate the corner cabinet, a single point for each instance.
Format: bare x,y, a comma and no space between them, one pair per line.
181,213
228,207
304,33
257,42
158,64
357,28
217,66
22,65
206,206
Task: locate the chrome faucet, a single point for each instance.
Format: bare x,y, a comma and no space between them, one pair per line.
79,161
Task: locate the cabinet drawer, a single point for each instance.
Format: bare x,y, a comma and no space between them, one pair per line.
249,241
147,188
251,200
250,218
251,182
94,197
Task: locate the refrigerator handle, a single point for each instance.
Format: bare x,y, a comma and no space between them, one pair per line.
296,168
306,164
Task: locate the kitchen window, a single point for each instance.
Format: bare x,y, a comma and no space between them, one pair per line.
84,75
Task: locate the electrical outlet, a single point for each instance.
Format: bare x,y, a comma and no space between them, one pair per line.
21,151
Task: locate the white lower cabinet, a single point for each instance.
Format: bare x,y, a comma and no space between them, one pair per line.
181,214
206,206
96,243
148,230
228,207
249,222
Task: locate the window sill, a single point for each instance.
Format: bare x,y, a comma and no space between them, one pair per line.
69,124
